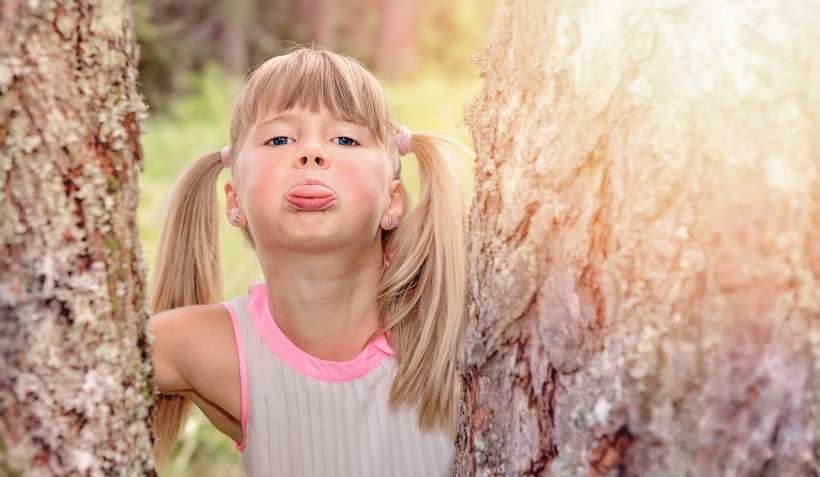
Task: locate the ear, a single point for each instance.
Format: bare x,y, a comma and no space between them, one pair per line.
233,210
395,206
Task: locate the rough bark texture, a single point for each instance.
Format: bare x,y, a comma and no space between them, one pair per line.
74,387
645,241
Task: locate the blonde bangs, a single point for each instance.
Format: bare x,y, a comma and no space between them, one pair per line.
315,80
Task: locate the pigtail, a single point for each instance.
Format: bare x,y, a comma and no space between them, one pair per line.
422,293
187,272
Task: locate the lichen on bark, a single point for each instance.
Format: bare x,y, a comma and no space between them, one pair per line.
73,342
645,281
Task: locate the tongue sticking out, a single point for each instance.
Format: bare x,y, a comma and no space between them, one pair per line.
310,198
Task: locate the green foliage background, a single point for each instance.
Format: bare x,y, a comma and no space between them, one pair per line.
196,122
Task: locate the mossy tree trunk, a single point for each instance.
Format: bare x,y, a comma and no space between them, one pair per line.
645,241
74,375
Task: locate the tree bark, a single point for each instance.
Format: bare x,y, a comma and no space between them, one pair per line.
74,362
645,241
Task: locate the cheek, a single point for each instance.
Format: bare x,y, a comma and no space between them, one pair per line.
370,185
261,188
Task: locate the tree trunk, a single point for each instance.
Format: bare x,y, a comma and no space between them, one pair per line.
317,18
395,50
74,364
645,241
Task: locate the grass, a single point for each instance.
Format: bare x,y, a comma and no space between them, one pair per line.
198,124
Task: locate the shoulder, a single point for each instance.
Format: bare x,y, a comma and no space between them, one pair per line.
193,312
190,323
188,341
195,354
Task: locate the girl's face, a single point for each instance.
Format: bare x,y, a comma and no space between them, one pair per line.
312,182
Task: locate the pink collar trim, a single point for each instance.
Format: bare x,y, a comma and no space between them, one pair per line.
304,363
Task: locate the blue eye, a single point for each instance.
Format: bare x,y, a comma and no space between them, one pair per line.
346,141
279,141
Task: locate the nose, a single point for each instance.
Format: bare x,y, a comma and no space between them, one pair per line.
312,154
319,161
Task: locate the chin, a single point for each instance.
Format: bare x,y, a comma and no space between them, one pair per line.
319,238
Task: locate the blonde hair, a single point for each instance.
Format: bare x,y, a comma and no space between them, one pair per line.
421,294
187,272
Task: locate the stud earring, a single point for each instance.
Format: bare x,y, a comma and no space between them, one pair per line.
235,219
389,222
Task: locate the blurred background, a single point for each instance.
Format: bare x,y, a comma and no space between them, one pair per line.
194,54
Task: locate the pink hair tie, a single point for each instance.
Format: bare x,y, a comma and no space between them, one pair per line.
403,140
226,156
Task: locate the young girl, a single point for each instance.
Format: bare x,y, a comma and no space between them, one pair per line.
343,362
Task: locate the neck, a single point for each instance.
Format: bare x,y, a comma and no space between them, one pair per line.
325,303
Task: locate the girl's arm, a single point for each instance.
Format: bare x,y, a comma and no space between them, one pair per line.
195,355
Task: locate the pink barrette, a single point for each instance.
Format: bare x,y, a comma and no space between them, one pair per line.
226,156
403,140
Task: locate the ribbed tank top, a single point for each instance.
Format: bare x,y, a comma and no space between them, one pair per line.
303,416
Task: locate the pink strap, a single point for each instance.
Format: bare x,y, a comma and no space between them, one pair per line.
243,377
304,363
